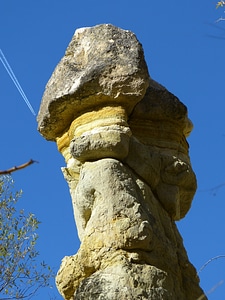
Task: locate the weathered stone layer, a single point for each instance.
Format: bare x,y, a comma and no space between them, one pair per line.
123,228
123,137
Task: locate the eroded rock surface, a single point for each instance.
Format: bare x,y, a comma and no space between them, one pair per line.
123,137
102,66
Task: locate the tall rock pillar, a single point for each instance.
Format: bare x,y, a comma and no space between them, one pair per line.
123,137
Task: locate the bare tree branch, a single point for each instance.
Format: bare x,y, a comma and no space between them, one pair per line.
13,169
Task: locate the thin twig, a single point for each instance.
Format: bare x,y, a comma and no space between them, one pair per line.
209,261
213,189
211,290
220,19
13,169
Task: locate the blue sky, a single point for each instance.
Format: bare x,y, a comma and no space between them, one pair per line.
184,49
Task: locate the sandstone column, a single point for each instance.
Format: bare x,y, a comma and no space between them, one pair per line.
123,137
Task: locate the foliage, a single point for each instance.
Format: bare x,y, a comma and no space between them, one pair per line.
220,3
20,273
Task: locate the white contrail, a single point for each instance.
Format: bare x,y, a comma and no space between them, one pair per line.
15,81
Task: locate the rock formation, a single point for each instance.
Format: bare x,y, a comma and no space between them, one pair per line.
123,137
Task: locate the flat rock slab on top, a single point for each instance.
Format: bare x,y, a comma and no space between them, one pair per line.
103,65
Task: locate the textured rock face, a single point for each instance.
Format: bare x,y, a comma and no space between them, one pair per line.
123,137
103,65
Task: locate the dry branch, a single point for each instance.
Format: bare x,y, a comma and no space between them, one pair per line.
13,169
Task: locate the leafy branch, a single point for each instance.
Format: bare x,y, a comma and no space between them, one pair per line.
220,4
20,273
